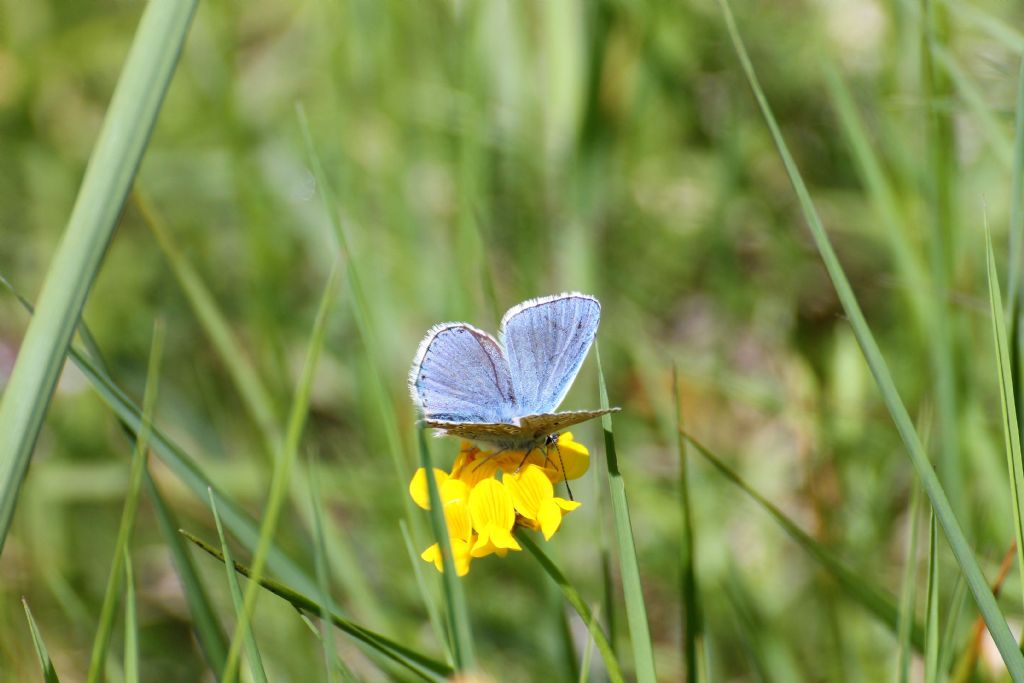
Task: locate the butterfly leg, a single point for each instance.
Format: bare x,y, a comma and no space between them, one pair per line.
523,461
488,458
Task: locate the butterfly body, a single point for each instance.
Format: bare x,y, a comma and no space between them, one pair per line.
505,391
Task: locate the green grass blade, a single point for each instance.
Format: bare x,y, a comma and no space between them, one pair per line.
588,649
208,631
124,532
1007,402
426,596
131,624
636,610
572,596
49,673
252,650
322,571
283,467
873,599
933,488
257,400
1016,231
396,652
692,617
126,129
908,593
455,599
931,634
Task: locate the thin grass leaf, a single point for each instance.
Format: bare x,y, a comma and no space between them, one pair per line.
998,29
258,403
123,138
45,664
252,650
908,592
131,624
101,640
208,631
459,626
964,671
430,669
426,596
1007,402
572,596
320,633
931,637
936,494
629,567
322,571
873,599
588,648
283,467
692,617
1016,230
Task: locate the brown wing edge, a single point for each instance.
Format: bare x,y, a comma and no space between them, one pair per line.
549,423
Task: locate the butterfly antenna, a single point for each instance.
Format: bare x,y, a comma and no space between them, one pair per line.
561,466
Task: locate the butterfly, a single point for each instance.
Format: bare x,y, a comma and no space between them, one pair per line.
505,391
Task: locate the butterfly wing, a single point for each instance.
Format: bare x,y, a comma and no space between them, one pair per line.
546,341
548,423
489,432
460,375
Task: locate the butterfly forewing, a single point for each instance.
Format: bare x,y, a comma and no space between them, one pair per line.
545,342
461,375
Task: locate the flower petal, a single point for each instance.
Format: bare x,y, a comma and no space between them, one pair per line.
418,486
529,489
550,517
570,456
490,504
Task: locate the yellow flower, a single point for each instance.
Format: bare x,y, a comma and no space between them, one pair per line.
534,498
487,494
493,515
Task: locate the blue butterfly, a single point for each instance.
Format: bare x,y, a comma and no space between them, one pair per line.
469,384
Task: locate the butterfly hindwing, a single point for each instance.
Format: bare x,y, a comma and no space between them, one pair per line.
460,374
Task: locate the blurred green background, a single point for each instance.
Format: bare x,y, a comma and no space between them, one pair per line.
482,152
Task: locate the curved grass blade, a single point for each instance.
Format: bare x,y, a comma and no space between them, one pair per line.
428,599
692,617
931,630
588,649
131,504
873,599
629,567
131,624
252,650
963,672
283,467
123,138
455,599
908,596
572,596
987,605
257,400
322,570
410,659
49,673
1007,402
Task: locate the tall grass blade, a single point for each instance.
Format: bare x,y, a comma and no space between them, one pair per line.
322,571
572,596
126,129
252,650
636,610
258,403
426,596
49,673
1016,231
692,617
396,652
588,649
908,594
97,661
873,599
931,631
459,627
208,631
933,488
964,671
1007,402
283,467
131,623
